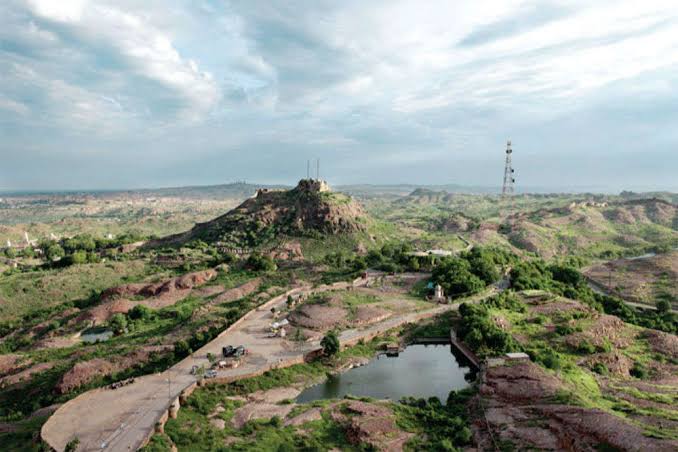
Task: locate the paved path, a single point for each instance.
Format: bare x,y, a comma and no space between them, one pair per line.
122,419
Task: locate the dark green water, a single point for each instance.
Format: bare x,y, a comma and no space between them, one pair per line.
419,371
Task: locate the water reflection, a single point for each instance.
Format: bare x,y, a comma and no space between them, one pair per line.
419,371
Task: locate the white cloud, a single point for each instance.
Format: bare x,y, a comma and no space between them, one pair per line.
13,106
59,10
393,79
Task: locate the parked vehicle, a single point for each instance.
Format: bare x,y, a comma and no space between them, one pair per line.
211,373
233,352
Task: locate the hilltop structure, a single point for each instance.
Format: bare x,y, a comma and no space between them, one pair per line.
311,208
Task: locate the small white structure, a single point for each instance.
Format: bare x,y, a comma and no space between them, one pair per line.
517,356
440,253
438,294
278,325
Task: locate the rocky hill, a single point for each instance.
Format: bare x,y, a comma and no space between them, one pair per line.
596,228
310,208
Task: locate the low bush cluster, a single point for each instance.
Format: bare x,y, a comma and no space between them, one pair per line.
481,333
567,281
443,427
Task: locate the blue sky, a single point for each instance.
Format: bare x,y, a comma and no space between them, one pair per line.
119,93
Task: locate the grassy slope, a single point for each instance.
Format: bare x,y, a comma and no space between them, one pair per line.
28,291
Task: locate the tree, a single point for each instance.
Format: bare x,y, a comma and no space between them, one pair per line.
54,252
83,242
140,312
663,306
118,323
454,275
78,257
257,262
10,253
330,343
181,348
359,263
482,265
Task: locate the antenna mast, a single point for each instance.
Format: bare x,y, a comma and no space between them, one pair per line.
308,169
317,169
508,186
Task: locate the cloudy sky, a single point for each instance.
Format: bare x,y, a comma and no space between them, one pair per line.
147,93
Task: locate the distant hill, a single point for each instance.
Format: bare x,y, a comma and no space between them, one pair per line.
597,228
239,190
310,208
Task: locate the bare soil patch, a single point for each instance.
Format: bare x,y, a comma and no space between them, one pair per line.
370,423
157,295
605,328
616,363
11,363
25,374
319,316
237,292
664,343
370,314
86,371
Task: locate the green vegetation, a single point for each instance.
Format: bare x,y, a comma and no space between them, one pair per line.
472,271
480,332
437,426
35,294
569,282
330,344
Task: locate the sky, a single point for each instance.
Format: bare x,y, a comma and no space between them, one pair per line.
107,94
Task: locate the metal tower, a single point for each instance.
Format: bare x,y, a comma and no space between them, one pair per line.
507,188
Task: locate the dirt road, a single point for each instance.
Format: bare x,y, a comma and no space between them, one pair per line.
122,419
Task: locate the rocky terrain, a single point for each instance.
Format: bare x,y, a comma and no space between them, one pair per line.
593,380
595,228
308,208
519,406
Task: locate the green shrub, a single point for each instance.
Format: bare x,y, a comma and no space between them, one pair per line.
480,332
564,329
140,312
638,370
600,369
72,445
506,300
455,277
586,347
330,344
181,349
118,323
257,262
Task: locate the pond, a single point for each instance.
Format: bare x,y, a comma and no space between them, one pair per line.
92,335
419,371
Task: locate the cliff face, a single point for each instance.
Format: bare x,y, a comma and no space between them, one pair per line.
310,208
